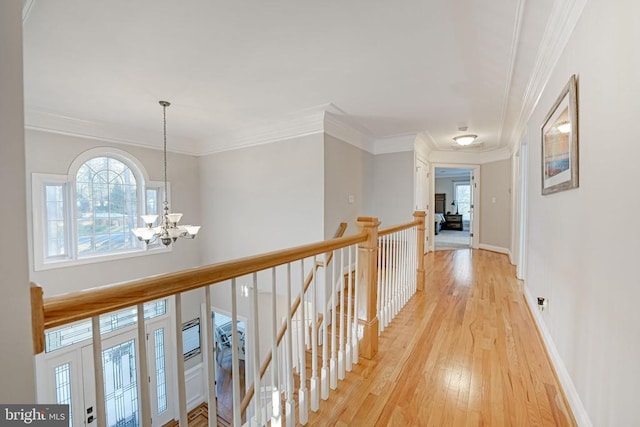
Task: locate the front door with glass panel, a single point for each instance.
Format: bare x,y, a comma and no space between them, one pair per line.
66,376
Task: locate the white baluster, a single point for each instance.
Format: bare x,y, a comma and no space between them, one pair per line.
333,372
289,411
315,392
276,420
255,339
379,286
347,357
235,357
396,271
355,338
387,292
211,357
342,337
324,374
101,414
182,388
302,392
143,374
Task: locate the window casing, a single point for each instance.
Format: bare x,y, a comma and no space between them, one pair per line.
87,215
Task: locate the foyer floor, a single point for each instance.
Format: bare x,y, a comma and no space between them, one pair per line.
465,352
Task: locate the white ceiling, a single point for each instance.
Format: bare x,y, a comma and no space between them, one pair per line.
235,70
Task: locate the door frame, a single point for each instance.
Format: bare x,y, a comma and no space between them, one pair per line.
475,189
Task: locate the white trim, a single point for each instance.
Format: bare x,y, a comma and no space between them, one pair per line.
194,383
125,157
562,20
575,403
38,224
349,133
497,249
39,119
515,41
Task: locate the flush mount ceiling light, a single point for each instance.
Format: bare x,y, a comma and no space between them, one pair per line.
465,139
168,231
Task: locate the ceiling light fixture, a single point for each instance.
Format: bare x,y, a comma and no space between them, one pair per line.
168,231
465,139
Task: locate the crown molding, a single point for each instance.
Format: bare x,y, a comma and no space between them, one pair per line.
27,6
46,121
340,127
307,122
464,157
394,144
562,21
515,41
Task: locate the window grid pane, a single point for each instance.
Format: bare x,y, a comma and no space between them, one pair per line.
107,206
78,332
161,375
63,388
55,228
120,385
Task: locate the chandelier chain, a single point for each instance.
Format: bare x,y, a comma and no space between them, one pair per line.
164,117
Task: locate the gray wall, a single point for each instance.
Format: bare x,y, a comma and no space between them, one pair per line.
495,204
16,357
583,261
262,198
393,182
348,172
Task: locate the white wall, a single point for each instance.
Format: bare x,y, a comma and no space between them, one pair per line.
495,205
348,172
581,256
393,192
262,198
53,153
16,357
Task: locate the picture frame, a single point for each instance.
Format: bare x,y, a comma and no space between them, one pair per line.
560,142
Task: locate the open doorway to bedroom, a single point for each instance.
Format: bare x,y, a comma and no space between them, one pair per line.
453,214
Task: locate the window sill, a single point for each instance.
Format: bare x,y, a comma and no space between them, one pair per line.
62,263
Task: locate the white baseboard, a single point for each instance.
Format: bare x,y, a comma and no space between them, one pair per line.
495,249
579,413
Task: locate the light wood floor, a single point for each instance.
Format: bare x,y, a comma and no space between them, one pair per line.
465,352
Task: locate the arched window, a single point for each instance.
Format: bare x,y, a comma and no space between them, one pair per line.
90,212
106,206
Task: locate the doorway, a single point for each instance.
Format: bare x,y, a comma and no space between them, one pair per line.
455,201
224,344
66,372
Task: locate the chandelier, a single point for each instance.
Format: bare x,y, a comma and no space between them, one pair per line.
168,231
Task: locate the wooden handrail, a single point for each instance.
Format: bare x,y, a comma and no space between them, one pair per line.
71,307
395,228
283,328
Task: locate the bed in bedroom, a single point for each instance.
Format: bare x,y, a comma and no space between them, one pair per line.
439,220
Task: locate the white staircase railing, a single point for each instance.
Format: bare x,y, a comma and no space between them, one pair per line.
295,304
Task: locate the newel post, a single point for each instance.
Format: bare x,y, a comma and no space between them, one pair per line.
367,288
37,318
420,216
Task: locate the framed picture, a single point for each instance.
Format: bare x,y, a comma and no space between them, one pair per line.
560,142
